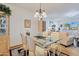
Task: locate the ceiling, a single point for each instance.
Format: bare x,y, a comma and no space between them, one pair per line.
59,11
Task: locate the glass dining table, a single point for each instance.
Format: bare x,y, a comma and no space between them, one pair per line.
44,43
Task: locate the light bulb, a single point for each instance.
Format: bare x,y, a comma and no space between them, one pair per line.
44,14
36,14
40,16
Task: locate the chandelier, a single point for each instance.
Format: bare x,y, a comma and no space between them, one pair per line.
40,13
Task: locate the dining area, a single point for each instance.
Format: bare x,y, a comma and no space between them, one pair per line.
36,45
43,45
42,33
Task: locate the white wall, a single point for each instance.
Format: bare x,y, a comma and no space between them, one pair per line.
17,24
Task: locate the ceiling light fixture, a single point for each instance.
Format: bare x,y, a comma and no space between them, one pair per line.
40,13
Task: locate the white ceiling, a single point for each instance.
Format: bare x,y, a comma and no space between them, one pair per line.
57,11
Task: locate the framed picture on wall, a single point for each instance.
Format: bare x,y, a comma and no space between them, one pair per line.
27,23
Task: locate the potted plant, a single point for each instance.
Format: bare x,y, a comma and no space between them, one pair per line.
5,10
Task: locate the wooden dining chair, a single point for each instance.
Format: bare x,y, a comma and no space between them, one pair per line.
30,44
21,48
24,42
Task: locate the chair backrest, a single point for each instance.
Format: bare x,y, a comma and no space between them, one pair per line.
24,40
